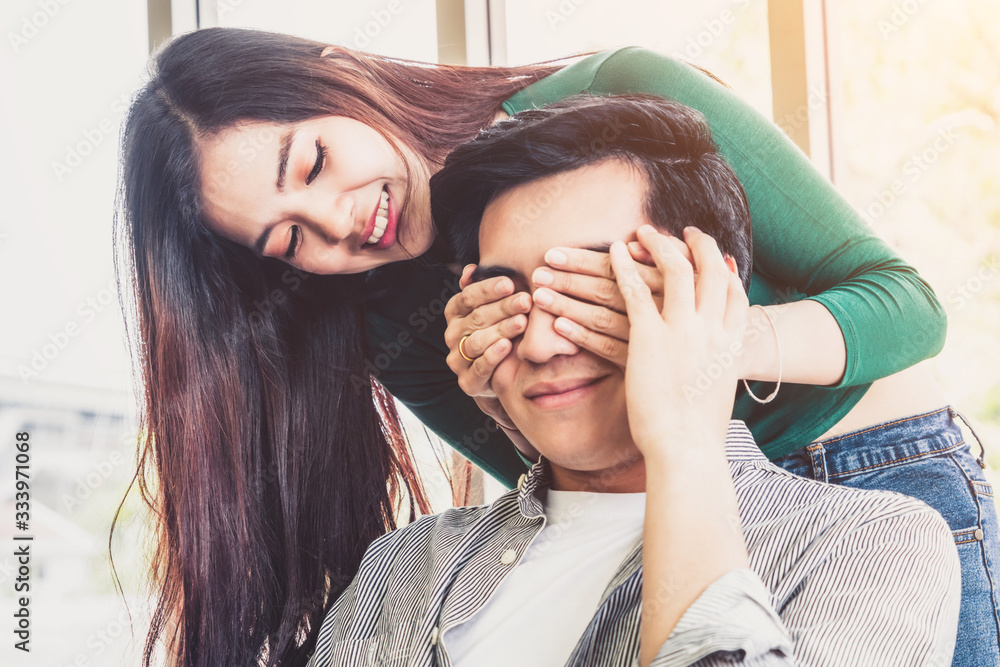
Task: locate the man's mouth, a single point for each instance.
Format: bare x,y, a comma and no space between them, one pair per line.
563,393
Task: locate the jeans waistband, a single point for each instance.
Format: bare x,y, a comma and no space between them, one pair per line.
920,436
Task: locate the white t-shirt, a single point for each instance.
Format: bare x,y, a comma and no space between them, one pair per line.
538,613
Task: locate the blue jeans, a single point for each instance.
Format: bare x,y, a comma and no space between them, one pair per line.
926,456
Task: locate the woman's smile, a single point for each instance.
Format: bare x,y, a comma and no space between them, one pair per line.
380,233
324,195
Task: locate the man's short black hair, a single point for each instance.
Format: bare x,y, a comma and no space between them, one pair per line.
687,181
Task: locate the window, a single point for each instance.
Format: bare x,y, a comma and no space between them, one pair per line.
917,151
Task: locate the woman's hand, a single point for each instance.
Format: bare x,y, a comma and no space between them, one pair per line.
580,289
692,533
482,319
681,370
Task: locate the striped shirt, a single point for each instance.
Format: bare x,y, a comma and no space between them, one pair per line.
837,576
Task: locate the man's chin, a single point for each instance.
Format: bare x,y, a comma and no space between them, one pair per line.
598,467
588,423
571,444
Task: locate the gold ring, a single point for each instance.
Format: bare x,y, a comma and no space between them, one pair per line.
461,349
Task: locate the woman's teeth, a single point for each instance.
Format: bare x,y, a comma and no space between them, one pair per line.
381,219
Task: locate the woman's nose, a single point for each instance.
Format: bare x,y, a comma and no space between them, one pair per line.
336,221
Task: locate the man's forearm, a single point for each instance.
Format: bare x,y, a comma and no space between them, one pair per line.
692,535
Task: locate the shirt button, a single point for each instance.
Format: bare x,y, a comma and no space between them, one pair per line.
508,557
434,636
979,534
520,481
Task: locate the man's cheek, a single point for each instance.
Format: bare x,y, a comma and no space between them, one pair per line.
502,381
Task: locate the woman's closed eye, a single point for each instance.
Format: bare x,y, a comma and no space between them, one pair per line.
296,238
293,243
318,165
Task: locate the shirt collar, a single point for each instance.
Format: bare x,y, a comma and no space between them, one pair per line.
740,447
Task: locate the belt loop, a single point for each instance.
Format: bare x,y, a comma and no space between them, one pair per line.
982,450
817,456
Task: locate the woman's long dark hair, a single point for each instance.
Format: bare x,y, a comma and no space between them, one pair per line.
269,472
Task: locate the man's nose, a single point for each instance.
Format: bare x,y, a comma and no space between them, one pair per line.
540,342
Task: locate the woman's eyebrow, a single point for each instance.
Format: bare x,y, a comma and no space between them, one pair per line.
261,242
286,147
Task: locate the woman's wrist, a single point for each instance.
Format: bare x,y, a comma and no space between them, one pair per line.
812,349
759,359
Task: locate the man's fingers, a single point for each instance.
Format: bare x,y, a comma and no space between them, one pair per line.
613,349
712,285
678,274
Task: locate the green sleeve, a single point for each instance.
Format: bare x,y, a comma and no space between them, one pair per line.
808,242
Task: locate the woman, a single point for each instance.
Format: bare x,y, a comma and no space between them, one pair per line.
248,152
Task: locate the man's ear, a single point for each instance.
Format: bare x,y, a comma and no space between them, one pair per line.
731,264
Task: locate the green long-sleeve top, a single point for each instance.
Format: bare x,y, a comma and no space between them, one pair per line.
807,243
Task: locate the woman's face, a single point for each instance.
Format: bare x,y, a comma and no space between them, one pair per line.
323,195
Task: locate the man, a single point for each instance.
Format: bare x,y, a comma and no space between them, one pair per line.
651,529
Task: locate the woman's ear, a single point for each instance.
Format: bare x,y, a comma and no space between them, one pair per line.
332,49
